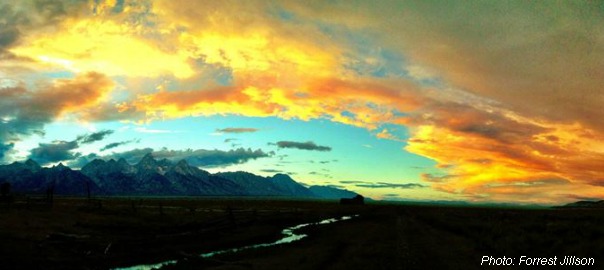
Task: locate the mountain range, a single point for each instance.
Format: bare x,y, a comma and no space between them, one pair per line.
151,177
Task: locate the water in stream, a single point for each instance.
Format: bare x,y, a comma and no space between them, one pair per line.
289,235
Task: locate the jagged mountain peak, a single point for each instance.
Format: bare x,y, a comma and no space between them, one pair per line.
61,166
183,167
148,156
164,162
31,162
122,161
93,165
182,163
147,161
32,165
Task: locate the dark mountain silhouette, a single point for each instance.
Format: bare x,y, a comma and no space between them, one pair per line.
255,185
151,177
584,204
29,177
288,185
328,192
190,180
116,177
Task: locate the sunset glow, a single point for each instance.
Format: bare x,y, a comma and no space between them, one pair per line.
470,101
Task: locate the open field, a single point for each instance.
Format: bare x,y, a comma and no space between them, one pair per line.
75,233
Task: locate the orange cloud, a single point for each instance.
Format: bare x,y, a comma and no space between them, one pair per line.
500,158
370,104
71,96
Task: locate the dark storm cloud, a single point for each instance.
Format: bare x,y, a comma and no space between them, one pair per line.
116,144
237,130
93,137
303,146
54,152
112,145
64,150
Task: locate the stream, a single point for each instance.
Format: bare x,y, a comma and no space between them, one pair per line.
289,236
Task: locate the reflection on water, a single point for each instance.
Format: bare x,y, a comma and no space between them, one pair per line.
289,235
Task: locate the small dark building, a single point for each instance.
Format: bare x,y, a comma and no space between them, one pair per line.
357,200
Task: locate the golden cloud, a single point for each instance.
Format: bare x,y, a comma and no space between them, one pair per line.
479,148
370,103
107,46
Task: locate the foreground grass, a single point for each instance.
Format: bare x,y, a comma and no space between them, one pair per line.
79,234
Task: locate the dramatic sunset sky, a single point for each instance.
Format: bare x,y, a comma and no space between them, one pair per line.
487,101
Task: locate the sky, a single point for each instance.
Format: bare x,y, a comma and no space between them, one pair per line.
478,101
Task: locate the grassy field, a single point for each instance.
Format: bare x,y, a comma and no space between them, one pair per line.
75,233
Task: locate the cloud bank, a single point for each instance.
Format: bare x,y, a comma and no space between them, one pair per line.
58,151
